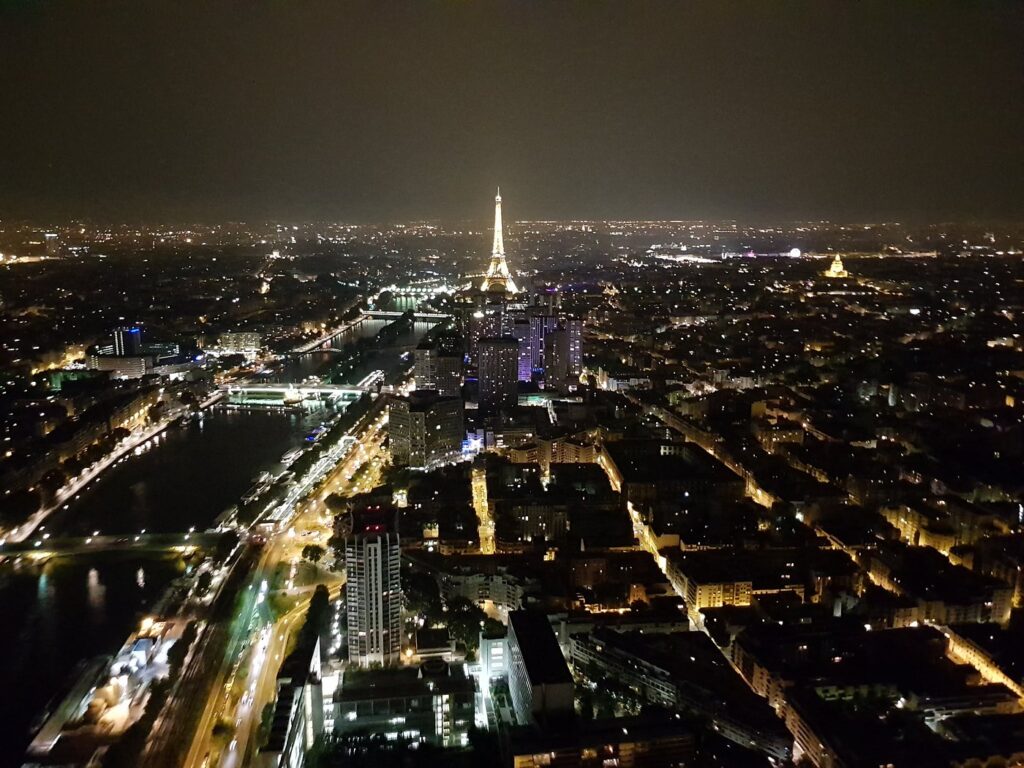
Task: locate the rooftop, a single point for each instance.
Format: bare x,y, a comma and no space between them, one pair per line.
539,647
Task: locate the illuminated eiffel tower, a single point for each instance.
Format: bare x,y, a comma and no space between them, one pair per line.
498,278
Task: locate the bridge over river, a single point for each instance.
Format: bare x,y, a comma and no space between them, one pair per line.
40,548
323,343
283,394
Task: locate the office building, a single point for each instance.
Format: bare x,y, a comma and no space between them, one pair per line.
425,429
127,341
374,593
52,244
539,679
493,653
121,366
498,373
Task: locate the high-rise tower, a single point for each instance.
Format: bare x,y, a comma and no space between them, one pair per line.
374,590
498,373
498,278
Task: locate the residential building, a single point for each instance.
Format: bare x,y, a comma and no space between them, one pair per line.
438,366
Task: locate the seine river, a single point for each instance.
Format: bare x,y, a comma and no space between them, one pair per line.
71,610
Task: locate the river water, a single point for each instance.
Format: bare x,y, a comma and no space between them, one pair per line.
187,477
330,365
71,610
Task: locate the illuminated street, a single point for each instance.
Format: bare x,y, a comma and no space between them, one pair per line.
486,524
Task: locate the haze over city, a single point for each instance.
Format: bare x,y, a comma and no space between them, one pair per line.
198,111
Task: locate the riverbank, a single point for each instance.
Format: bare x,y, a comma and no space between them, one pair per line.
68,611
66,494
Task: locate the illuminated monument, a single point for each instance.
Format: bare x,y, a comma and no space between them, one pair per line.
498,279
836,269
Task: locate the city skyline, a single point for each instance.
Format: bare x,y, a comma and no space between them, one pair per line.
701,447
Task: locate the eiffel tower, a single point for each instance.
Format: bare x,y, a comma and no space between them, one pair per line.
498,278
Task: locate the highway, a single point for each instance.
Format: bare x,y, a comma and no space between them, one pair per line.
299,524
241,626
261,688
218,641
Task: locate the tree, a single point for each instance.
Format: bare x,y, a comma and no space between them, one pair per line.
493,628
266,722
337,545
53,481
225,545
484,743
336,504
465,619
223,727
203,583
313,553
422,595
177,652
19,506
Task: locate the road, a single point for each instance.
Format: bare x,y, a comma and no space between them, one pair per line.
46,546
326,337
218,641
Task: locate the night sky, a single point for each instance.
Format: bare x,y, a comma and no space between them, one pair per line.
301,110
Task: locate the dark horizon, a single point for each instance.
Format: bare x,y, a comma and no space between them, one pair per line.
481,224
352,112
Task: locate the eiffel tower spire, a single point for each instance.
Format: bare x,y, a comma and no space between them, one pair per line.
498,276
499,245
